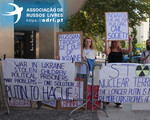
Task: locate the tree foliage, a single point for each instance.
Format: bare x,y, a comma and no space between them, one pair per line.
91,18
99,43
141,46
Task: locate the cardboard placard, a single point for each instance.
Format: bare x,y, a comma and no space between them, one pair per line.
116,26
69,46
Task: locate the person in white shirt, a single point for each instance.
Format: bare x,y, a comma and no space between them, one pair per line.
145,57
89,53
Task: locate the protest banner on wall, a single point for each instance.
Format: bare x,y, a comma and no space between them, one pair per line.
38,80
116,25
125,83
69,46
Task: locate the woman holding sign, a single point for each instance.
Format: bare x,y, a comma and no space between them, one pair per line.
89,53
115,54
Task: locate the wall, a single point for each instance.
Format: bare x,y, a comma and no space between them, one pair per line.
6,41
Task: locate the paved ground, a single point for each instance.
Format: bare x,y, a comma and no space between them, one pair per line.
125,113
48,114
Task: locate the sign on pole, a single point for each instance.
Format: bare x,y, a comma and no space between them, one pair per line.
117,26
69,46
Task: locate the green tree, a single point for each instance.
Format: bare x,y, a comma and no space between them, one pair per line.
91,18
141,46
99,44
133,35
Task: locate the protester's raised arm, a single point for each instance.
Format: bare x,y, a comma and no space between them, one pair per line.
107,49
129,50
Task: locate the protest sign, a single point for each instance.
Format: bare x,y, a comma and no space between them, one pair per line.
125,83
78,87
117,26
38,80
15,102
69,46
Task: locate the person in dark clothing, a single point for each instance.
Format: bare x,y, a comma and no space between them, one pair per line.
115,54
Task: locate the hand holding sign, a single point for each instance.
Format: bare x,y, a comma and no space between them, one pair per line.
130,39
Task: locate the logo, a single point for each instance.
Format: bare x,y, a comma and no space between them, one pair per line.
17,11
142,70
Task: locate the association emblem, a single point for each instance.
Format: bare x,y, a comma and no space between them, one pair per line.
17,12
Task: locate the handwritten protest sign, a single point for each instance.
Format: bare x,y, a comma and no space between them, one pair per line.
69,46
125,83
38,80
116,25
18,102
78,87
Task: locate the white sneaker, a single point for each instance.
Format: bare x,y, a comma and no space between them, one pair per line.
90,73
89,80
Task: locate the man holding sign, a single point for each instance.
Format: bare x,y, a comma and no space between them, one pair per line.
115,27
